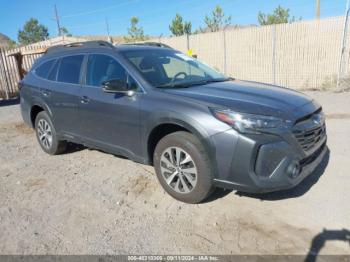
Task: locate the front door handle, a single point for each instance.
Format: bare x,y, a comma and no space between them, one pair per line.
84,100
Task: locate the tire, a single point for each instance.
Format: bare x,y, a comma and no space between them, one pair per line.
47,136
186,185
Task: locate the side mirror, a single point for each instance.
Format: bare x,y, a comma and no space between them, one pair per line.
117,86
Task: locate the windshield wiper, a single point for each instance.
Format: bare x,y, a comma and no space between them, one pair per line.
219,80
203,82
182,85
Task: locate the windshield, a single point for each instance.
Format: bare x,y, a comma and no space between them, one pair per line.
169,68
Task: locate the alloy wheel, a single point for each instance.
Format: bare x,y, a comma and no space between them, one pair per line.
44,133
178,169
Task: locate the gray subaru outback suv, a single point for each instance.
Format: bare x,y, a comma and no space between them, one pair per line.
157,106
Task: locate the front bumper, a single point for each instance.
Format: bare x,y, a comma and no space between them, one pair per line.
262,163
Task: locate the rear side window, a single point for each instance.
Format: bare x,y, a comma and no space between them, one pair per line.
44,69
69,69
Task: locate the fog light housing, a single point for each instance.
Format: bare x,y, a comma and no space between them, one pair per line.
294,169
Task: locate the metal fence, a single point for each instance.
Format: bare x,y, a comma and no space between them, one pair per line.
301,55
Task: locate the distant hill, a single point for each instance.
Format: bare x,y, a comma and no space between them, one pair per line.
5,41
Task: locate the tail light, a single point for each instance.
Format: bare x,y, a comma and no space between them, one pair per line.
20,85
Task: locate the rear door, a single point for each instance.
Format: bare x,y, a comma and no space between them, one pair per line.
64,93
109,120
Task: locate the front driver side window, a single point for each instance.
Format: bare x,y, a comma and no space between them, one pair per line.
101,68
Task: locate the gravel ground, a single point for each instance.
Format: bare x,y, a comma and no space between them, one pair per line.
89,202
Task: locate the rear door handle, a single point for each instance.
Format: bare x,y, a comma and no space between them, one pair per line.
84,100
46,92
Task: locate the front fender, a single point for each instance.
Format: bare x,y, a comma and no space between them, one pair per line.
182,120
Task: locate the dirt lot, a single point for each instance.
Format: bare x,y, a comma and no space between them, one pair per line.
89,202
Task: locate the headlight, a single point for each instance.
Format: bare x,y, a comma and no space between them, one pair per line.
249,123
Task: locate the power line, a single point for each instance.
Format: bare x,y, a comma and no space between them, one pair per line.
154,12
99,10
158,19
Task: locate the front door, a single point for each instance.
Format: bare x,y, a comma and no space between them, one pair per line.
109,120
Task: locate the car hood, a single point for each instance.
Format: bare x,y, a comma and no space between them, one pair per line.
248,97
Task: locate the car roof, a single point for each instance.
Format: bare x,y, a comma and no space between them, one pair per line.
139,47
96,46
91,46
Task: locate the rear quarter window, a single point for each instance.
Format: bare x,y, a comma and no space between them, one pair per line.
53,72
44,69
69,69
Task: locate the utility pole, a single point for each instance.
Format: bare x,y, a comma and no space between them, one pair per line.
342,63
107,28
318,9
160,37
57,18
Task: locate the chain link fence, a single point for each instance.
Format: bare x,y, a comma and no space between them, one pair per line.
302,55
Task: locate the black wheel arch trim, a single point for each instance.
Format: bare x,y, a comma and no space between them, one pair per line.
43,105
183,121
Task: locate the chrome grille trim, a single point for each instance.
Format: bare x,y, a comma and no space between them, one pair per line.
309,133
309,138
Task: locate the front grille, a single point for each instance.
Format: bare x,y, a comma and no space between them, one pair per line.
307,139
313,156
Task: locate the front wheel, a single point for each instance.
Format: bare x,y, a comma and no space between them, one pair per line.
183,168
47,136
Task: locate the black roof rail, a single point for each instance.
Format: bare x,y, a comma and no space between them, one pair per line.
99,43
150,44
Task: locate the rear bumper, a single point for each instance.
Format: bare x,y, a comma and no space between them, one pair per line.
263,163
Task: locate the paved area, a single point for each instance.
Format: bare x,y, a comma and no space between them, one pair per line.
89,202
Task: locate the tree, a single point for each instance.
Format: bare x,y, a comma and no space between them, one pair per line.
178,27
64,31
32,32
279,16
217,20
12,44
135,33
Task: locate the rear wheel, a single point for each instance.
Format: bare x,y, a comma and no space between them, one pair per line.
183,167
47,136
